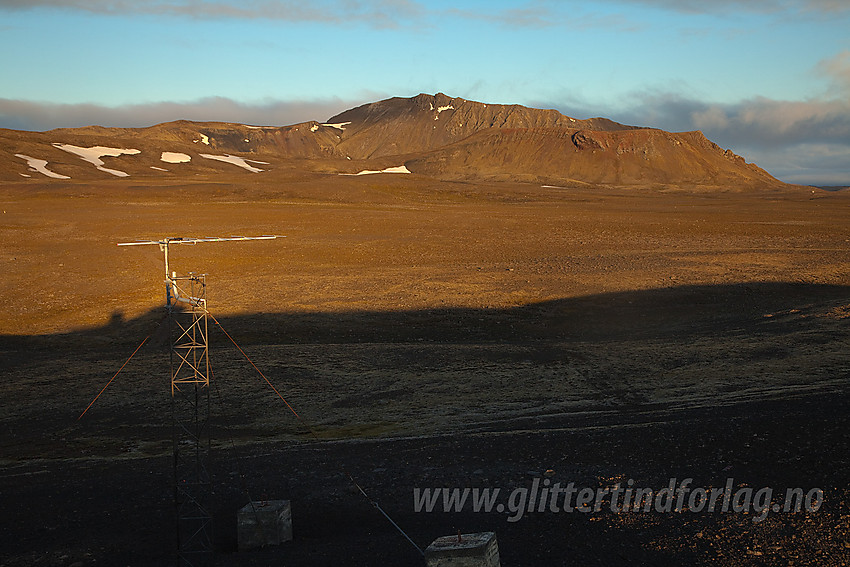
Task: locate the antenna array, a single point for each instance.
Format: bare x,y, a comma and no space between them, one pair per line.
186,304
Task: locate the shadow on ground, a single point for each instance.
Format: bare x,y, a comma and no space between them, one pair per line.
748,382
686,311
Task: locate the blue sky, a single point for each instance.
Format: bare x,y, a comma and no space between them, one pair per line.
768,78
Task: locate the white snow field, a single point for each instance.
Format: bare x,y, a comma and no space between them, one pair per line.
93,155
175,157
441,109
339,125
396,169
236,160
40,165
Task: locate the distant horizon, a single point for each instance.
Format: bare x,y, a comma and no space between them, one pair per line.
768,79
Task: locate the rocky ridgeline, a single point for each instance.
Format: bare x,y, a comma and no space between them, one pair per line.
434,135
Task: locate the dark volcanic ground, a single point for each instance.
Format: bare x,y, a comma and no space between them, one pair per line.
118,513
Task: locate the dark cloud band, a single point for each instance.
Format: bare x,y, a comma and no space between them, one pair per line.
376,13
39,116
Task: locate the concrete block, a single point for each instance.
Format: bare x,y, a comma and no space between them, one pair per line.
473,550
265,523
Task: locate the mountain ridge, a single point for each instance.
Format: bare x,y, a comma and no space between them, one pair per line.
435,135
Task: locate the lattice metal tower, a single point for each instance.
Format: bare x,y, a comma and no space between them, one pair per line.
190,401
186,305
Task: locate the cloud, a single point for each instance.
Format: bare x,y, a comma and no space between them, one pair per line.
376,13
533,16
797,141
807,164
540,14
413,13
837,70
804,141
810,7
39,116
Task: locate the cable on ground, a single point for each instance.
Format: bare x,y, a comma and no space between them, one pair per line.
316,436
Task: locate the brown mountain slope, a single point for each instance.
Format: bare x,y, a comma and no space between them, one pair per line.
308,139
270,145
426,122
434,135
626,157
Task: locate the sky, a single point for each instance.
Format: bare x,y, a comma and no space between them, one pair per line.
769,79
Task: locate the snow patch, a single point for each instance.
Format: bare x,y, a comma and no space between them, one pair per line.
158,168
175,157
314,127
93,155
236,160
441,109
25,175
40,165
338,125
204,139
396,169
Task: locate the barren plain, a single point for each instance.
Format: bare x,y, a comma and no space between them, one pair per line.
434,334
